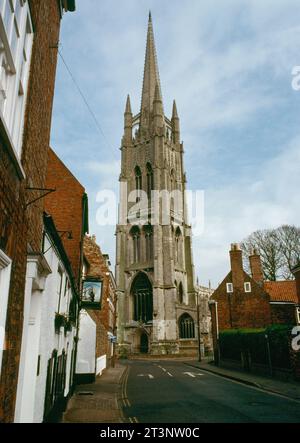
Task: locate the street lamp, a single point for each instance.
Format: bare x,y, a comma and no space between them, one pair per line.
199,331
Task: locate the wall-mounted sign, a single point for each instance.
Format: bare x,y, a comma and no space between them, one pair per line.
91,294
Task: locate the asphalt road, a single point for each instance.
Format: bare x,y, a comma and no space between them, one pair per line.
172,392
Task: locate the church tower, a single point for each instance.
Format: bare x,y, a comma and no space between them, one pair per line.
157,311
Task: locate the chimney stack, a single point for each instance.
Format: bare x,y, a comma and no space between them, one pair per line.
256,267
236,260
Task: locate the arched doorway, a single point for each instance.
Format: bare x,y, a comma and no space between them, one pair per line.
144,344
141,291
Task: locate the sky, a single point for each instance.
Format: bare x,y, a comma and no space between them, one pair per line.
228,64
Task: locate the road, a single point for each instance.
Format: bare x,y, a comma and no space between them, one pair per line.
173,392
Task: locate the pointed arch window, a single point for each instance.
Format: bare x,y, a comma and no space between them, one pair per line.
148,230
136,243
150,181
180,293
142,298
138,181
186,327
178,246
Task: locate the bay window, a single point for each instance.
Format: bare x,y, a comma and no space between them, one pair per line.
16,37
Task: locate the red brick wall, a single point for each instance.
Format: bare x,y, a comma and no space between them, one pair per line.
240,309
66,207
25,226
283,314
98,269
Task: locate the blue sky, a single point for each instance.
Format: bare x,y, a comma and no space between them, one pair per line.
228,64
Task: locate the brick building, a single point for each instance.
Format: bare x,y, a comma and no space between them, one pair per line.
52,346
29,33
97,326
68,206
244,301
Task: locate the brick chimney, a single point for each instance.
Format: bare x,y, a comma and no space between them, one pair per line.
256,267
236,260
296,272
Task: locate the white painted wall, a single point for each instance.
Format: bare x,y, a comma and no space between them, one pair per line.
86,352
100,364
40,338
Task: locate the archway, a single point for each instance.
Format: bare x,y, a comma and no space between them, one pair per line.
144,344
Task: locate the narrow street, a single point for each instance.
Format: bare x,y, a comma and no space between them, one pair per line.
173,392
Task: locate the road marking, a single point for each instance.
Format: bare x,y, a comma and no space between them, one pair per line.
146,375
169,374
192,374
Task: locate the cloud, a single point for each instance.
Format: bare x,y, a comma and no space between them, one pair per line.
232,213
228,64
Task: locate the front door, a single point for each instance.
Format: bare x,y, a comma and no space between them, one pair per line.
144,344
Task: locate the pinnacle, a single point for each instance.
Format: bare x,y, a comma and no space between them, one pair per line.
128,105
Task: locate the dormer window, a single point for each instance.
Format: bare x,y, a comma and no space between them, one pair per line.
229,288
247,287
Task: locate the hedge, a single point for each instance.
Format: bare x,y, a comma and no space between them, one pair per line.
234,342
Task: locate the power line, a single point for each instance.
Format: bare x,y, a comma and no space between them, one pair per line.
85,100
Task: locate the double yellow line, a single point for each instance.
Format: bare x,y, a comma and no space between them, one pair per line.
126,402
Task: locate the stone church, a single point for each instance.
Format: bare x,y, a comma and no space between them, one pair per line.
157,306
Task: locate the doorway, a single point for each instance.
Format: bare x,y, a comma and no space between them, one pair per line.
144,344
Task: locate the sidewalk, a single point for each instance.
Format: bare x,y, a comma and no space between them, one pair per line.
97,402
286,389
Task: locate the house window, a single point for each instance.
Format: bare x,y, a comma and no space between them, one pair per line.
186,327
16,37
229,288
5,270
247,287
59,287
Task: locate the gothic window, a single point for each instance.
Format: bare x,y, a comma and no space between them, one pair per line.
180,293
136,243
186,326
172,186
150,181
138,181
148,230
178,246
142,298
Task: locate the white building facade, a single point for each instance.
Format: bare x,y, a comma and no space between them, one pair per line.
49,333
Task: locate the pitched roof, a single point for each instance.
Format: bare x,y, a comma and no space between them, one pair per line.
282,291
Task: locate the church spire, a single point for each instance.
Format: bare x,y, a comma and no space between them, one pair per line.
151,77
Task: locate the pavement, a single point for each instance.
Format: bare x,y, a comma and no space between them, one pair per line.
288,389
98,402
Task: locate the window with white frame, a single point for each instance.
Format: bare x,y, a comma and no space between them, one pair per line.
229,288
5,269
16,37
247,286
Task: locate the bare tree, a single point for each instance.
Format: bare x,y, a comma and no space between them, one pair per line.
288,238
279,250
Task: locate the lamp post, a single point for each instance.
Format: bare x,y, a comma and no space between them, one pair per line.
199,331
